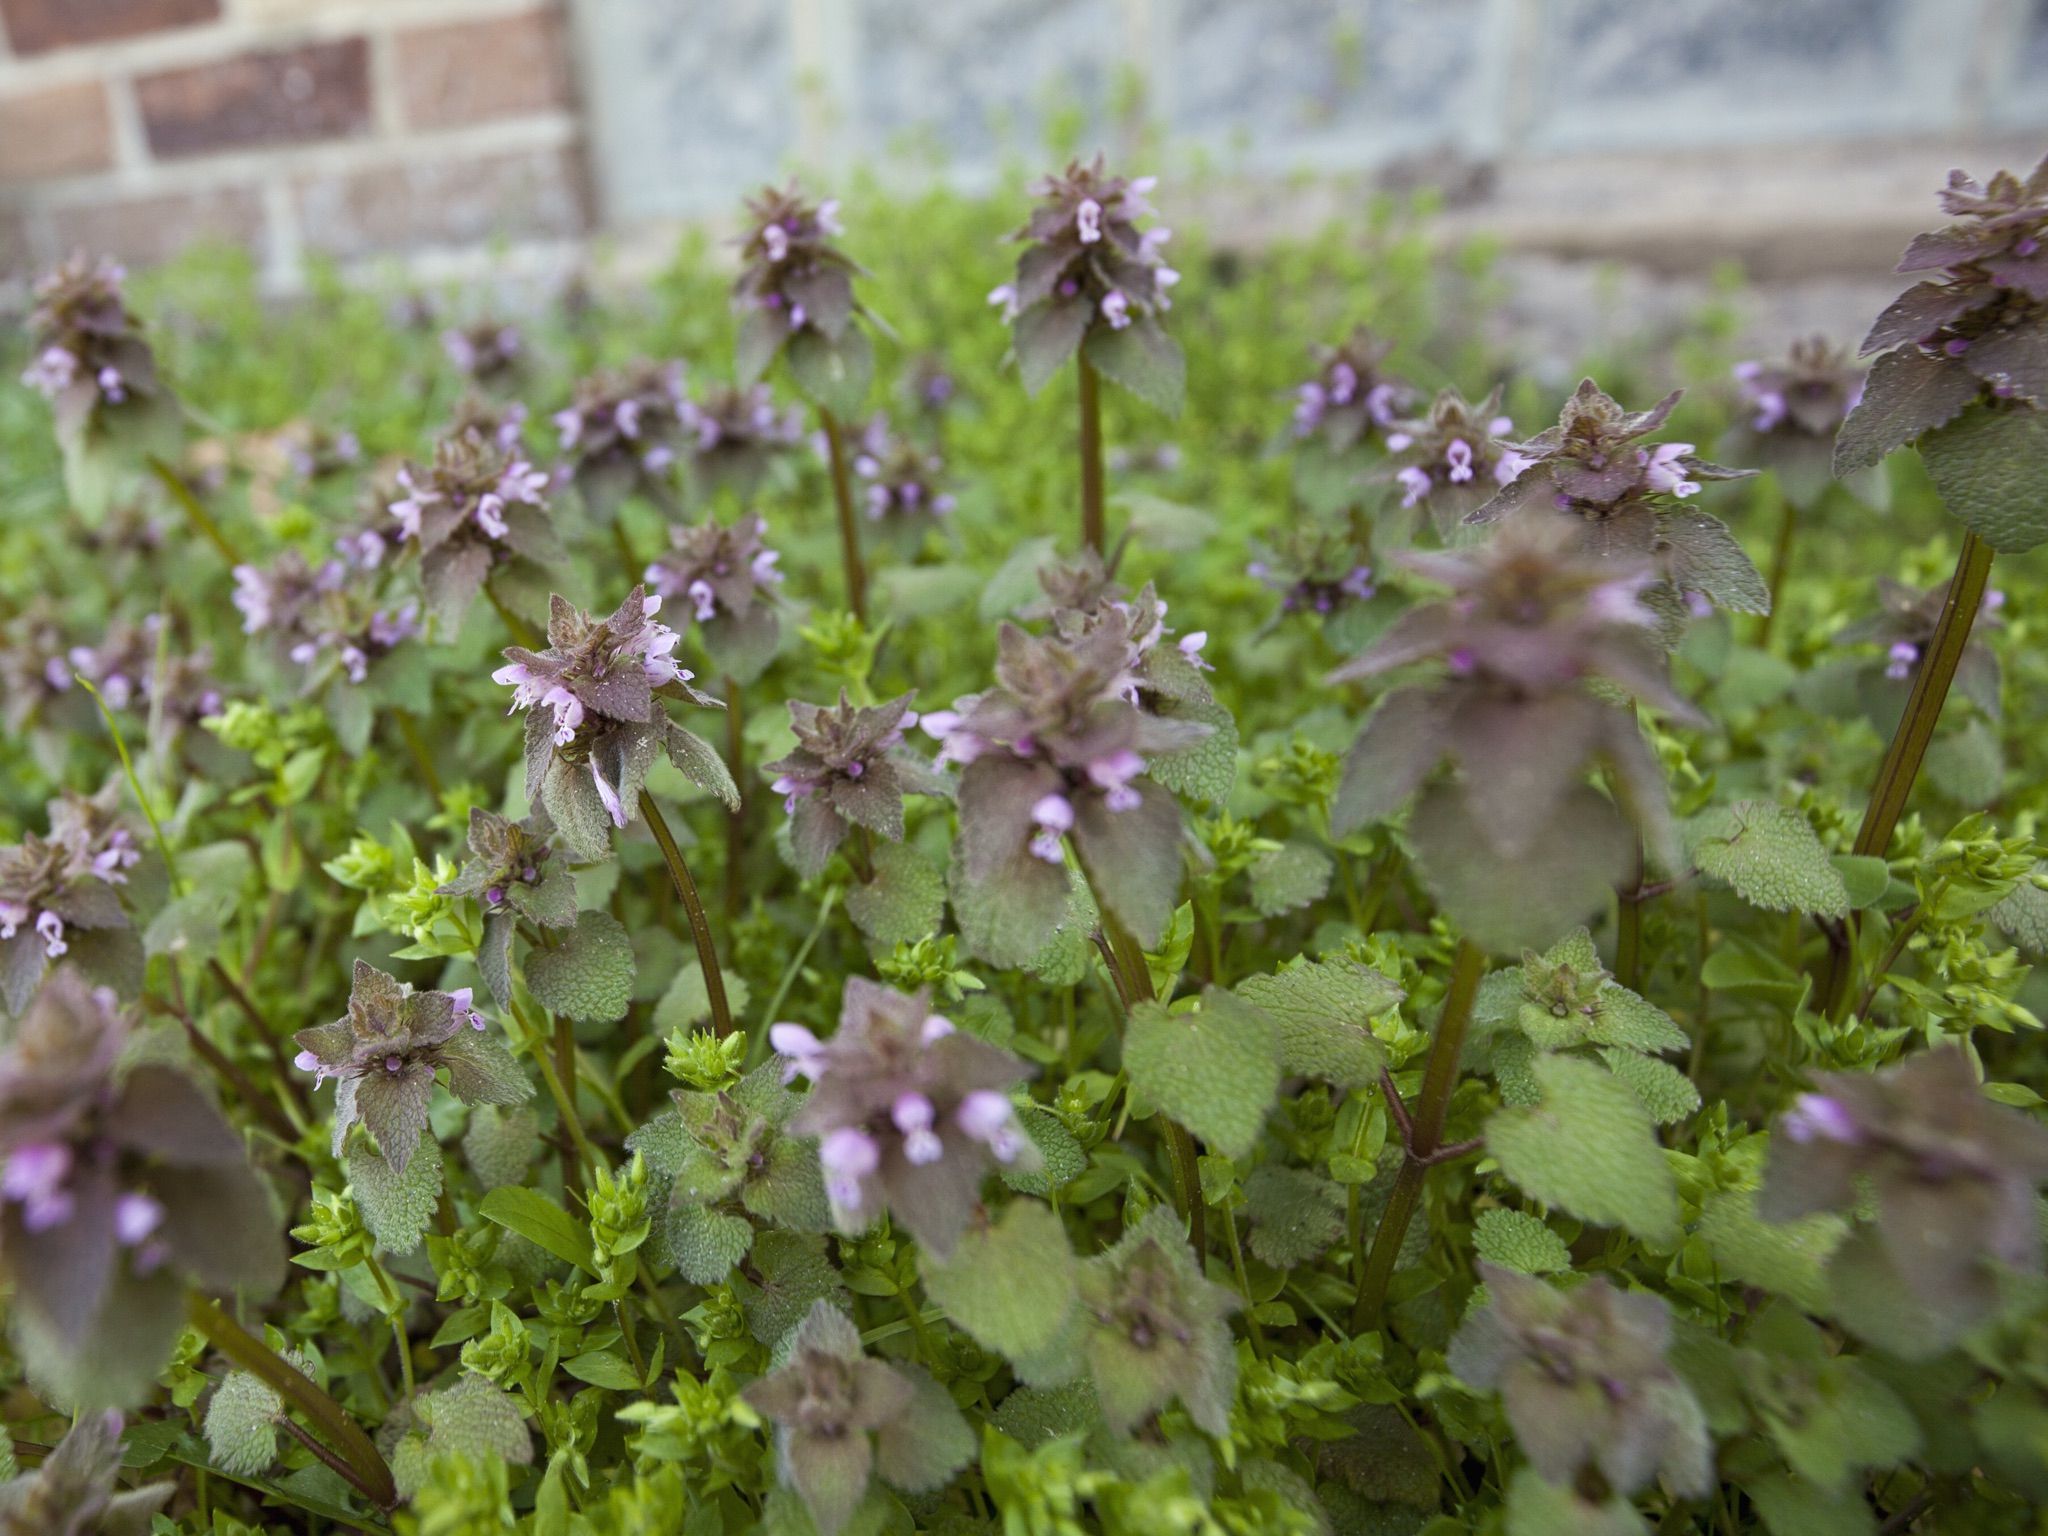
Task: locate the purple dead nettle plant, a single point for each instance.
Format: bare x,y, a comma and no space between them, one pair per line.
1352,398
511,873
1904,627
488,351
1628,499
1584,1378
59,898
900,480
120,1182
1794,407
621,433
90,360
1319,570
596,718
327,620
1452,461
849,769
1092,286
384,1054
910,1114
480,506
736,436
842,1418
132,668
35,665
1060,748
75,1491
1952,1176
929,386
724,576
1511,840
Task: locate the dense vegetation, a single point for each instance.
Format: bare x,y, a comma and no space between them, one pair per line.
1167,899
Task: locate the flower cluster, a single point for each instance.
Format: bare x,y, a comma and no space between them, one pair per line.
1318,571
130,667
1904,626
793,280
1954,1177
384,1053
1086,268
736,435
595,718
1450,460
729,578
319,612
53,887
847,771
89,353
478,505
1352,396
1623,499
1530,621
910,1114
75,1492
485,351
1585,1382
901,477
116,1179
512,873
622,430
35,665
842,1417
1809,394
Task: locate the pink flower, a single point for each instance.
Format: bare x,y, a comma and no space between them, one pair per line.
990,1119
136,1216
34,1177
51,927
913,1115
1664,471
1459,456
848,1155
1116,309
804,1051
1415,482
1054,816
1114,774
1088,221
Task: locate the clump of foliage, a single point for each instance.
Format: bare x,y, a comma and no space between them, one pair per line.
1388,976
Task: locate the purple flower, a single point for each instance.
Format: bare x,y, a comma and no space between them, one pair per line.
1664,469
1816,1117
1901,659
1350,396
848,769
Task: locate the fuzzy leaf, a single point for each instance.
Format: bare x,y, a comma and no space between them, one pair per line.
904,902
501,1144
1063,1161
1289,877
1010,1284
241,1425
1518,1241
1144,360
1133,858
1215,1072
1991,467
1205,772
833,375
1008,918
1323,1009
478,1421
1537,1508
1784,1257
1907,394
397,1207
698,761
1588,1148
1045,336
1666,1093
588,974
705,1246
1295,1215
1772,857
794,1273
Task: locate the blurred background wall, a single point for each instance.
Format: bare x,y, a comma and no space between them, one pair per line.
1801,137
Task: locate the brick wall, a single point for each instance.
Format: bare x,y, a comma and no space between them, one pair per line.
358,128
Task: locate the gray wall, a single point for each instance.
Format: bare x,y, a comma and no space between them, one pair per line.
694,101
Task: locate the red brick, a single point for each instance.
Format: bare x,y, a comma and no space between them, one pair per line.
256,100
436,202
475,71
143,230
62,131
37,26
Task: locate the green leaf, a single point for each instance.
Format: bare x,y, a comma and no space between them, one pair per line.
1165,960
588,974
1864,876
1144,360
501,1143
603,1368
1991,467
241,1425
904,902
1588,1148
794,1273
1205,772
687,1001
1009,1284
1666,1093
396,1207
832,375
706,1246
1968,765
1287,878
1063,1159
1787,1258
1045,336
1295,1215
540,1221
1906,394
1215,1072
1518,1241
1773,859
1323,1009
1537,1508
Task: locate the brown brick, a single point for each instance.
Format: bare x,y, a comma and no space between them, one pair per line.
430,202
151,229
474,71
37,26
62,131
254,101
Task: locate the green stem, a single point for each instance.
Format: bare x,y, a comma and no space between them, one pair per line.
409,733
736,817
1439,1077
1093,524
1902,759
156,829
195,509
1781,565
693,905
849,528
1134,985
1244,1284
537,1044
371,1477
394,1313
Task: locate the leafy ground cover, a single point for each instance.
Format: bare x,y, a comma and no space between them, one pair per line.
1163,899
